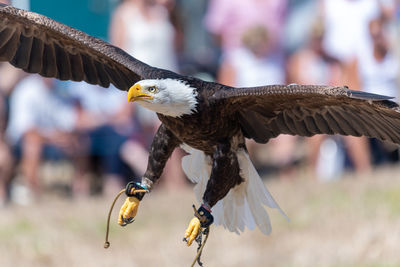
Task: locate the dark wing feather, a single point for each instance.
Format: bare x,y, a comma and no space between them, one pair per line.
306,110
38,44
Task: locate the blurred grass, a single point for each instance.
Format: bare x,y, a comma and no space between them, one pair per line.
350,222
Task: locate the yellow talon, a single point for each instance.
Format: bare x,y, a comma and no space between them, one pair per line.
192,231
128,211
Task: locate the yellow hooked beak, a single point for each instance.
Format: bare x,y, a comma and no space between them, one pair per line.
135,93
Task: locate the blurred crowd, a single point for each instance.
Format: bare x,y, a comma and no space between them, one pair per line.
234,42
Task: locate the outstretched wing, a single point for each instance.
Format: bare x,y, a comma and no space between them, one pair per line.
38,44
306,110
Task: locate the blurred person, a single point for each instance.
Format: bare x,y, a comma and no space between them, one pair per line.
228,19
9,77
143,29
198,53
312,65
13,75
253,64
6,158
104,125
346,35
41,125
346,26
378,70
298,24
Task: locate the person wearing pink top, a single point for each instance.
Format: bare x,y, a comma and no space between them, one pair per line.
227,19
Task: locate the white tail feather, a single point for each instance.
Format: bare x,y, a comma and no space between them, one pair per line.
244,204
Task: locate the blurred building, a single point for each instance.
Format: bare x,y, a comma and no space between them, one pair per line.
90,16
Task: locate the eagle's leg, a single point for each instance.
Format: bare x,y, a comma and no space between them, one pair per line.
163,145
225,174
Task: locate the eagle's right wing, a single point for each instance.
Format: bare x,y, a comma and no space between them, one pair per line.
38,44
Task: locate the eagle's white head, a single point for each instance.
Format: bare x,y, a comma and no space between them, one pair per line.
167,96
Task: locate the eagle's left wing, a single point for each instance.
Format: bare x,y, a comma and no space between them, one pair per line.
267,111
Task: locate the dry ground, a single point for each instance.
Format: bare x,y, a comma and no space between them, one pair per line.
350,222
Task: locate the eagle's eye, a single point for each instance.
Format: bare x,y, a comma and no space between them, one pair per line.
152,89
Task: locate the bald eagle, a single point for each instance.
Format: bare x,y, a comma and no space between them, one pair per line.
209,120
